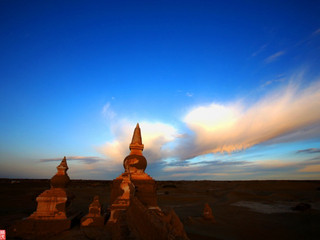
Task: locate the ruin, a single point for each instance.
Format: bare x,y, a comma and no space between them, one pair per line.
135,164
134,209
207,213
50,216
94,217
133,214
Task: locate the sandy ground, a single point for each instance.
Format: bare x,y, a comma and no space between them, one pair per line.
242,209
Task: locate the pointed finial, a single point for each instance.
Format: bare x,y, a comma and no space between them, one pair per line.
135,161
136,143
61,179
136,138
64,164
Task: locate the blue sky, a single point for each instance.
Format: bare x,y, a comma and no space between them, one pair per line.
222,90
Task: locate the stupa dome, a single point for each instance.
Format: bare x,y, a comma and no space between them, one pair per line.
135,161
59,181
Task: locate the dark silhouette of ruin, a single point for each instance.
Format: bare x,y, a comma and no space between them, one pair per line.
133,213
94,217
207,213
134,202
51,216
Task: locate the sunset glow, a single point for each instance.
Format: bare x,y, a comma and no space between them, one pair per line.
220,92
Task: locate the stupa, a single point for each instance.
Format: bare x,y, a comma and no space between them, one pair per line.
94,217
134,212
52,202
134,165
50,216
207,213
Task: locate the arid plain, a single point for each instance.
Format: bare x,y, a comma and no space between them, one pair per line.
242,209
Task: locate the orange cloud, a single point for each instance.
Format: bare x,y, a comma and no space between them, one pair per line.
233,127
155,136
280,115
311,168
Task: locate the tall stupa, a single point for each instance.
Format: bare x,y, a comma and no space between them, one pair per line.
134,211
134,169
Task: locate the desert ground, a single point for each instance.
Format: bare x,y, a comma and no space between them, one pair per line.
242,209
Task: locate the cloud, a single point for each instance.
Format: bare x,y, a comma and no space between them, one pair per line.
87,160
189,94
155,135
286,114
274,56
201,175
275,165
309,150
268,169
279,78
236,126
107,112
316,32
261,49
203,166
220,163
311,168
205,169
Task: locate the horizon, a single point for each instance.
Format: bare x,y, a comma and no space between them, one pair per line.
168,180
222,91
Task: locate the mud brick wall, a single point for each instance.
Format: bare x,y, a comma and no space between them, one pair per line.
144,223
145,190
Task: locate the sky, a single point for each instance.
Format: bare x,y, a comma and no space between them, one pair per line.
222,90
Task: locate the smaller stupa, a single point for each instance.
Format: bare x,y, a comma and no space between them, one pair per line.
207,213
52,202
94,217
50,217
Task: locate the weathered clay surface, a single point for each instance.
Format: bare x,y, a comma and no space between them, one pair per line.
134,209
207,213
94,217
154,223
187,199
51,205
145,190
50,216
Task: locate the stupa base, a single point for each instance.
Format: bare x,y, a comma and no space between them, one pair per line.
88,221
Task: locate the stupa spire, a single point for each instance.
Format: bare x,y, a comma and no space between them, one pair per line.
63,165
61,178
135,162
136,138
136,145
